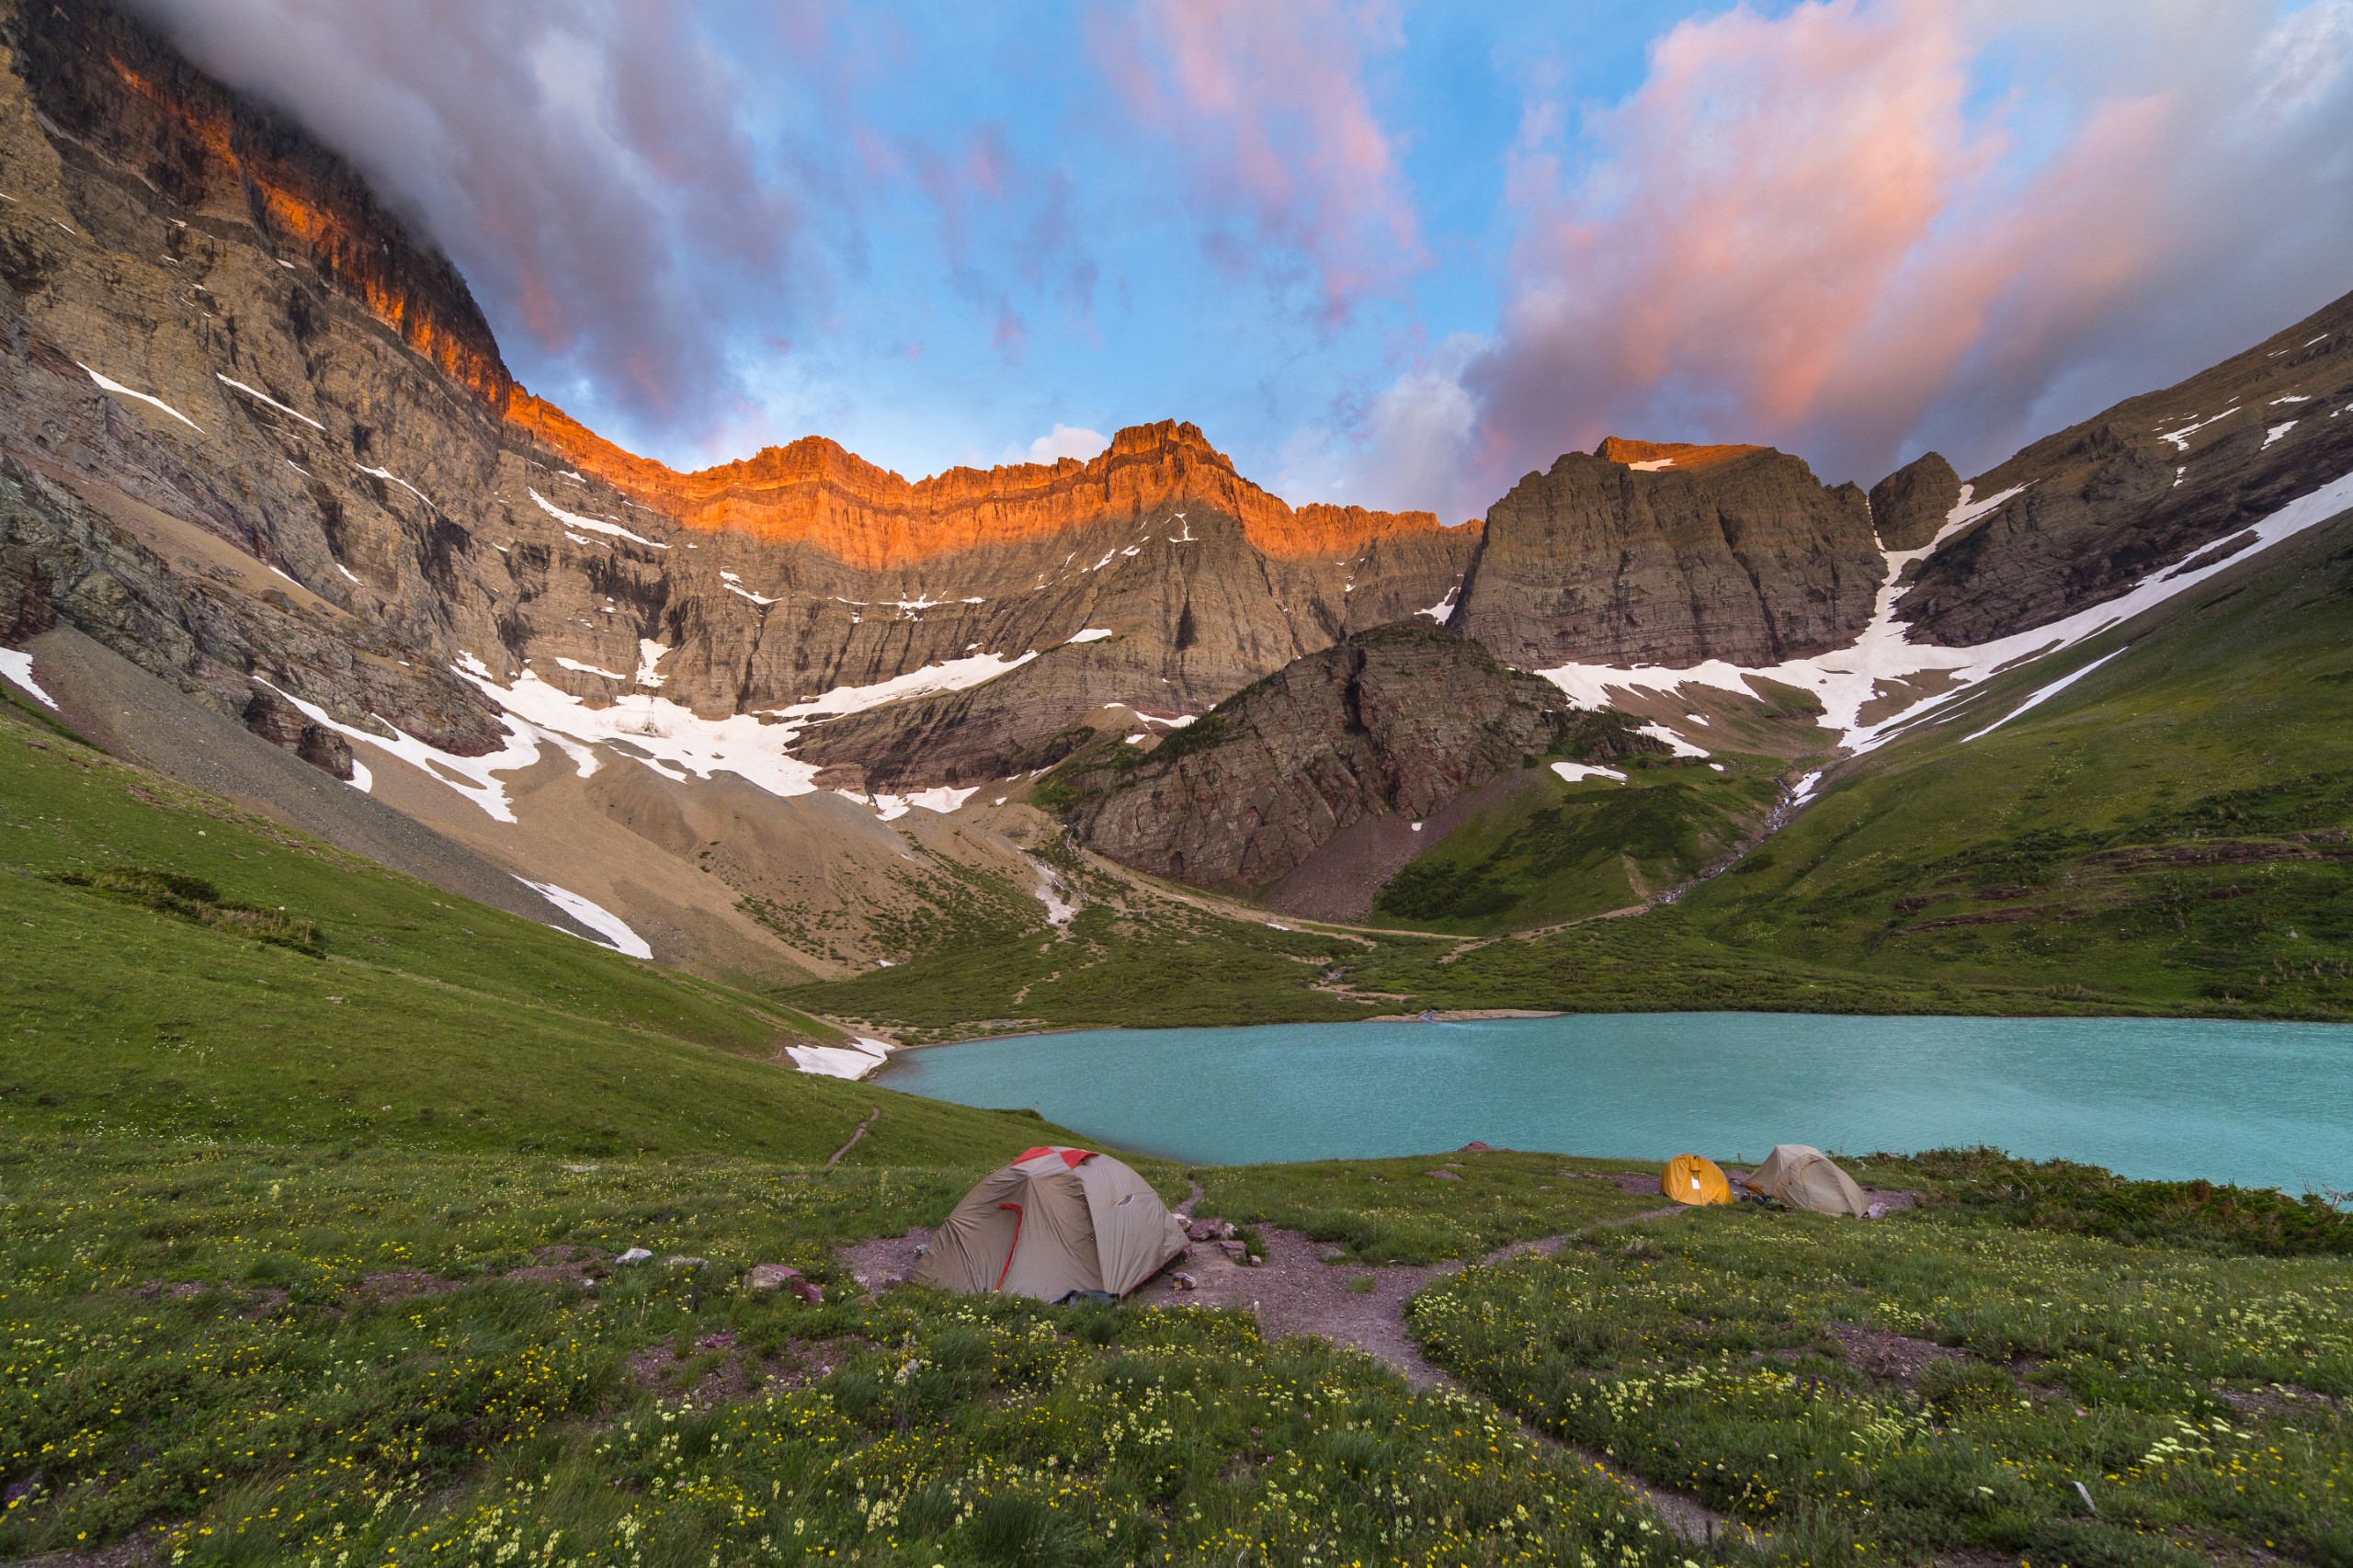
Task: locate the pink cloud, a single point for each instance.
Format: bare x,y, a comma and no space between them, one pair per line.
1283,160
1826,231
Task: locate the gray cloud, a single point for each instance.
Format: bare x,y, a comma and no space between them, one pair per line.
593,168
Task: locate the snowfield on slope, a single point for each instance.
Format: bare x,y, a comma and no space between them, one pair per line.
1848,680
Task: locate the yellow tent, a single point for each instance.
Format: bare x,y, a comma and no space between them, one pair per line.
1695,1179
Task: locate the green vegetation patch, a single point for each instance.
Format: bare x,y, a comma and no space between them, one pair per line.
2172,831
1561,851
1896,1390
1430,1207
2061,1194
195,900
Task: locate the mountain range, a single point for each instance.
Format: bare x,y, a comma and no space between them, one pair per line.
277,520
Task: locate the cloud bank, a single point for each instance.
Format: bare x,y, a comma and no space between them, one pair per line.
1284,162
586,165
1860,230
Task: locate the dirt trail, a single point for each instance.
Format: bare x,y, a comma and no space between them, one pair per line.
1295,1292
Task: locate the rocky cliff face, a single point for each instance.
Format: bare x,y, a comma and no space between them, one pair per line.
123,94
1394,721
298,378
2150,481
1652,553
1910,506
815,492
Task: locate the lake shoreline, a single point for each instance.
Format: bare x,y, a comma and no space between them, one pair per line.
2265,1104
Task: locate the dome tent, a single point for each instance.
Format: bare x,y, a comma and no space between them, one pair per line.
1802,1177
1053,1223
1694,1179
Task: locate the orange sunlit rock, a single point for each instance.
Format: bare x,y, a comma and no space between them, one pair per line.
1680,454
814,491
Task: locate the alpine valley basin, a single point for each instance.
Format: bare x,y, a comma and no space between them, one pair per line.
2257,1104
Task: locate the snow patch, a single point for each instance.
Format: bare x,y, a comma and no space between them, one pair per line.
2277,431
2180,438
940,797
1093,634
596,916
649,655
120,391
2277,400
472,777
347,573
1675,742
594,525
1574,772
856,1060
2053,690
1654,466
260,396
1444,609
18,668
1061,910
578,669
392,478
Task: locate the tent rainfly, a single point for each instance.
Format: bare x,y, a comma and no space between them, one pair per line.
1055,1222
1803,1177
1695,1179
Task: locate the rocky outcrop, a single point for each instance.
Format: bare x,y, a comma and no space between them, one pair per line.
1394,721
1668,555
1911,504
25,608
2149,482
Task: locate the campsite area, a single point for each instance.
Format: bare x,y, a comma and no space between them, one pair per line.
263,1353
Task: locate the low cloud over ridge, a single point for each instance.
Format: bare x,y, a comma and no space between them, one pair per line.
583,164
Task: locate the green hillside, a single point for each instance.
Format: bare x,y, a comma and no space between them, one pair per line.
2172,830
383,1012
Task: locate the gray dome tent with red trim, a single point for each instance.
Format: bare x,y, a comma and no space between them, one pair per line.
1055,1222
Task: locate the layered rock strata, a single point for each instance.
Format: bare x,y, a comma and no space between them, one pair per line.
2147,483
1395,722
1654,554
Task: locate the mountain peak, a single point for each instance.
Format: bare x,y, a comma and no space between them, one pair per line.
1655,456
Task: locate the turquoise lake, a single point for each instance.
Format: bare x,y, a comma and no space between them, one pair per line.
2264,1103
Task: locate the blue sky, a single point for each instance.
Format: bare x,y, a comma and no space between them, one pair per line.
1388,253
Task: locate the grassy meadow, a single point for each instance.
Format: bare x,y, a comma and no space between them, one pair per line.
315,1184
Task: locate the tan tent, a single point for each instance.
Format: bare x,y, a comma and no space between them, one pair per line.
1695,1180
1055,1222
1803,1177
